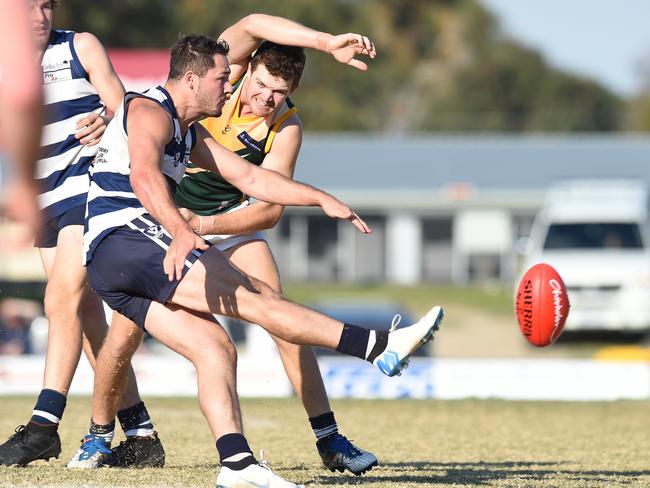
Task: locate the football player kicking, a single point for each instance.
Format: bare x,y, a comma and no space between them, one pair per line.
79,86
147,263
260,124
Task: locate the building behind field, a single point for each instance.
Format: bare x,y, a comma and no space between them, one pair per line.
443,209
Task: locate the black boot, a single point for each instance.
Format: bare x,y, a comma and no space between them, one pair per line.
29,444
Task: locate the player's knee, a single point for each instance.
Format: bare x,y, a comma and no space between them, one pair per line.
122,346
61,301
216,351
230,352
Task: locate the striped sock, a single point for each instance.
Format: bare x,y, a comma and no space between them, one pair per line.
135,421
106,431
49,408
324,425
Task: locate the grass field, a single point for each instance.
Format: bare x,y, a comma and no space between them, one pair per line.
419,444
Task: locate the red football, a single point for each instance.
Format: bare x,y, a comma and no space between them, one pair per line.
542,305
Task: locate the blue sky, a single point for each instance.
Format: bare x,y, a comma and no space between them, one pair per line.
608,40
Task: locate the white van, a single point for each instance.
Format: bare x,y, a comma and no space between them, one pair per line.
595,234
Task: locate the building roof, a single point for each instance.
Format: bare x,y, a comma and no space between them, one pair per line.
490,162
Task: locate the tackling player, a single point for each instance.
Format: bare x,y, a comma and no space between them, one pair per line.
260,124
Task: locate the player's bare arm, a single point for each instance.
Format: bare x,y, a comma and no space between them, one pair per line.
95,60
247,34
261,215
150,129
264,184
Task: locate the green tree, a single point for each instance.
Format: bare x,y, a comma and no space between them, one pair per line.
442,65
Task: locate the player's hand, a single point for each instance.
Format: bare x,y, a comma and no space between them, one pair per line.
336,209
191,218
345,47
200,224
91,128
183,243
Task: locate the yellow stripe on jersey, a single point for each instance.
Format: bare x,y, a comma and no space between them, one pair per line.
276,127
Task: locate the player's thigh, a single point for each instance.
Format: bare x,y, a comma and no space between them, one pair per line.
212,284
67,273
47,258
193,335
255,259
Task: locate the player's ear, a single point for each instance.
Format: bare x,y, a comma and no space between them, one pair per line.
189,78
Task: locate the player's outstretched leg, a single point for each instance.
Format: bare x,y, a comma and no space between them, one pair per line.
213,285
393,348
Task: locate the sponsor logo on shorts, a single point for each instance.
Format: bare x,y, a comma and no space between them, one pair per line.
154,231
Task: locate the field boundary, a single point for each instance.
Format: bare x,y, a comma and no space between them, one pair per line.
434,378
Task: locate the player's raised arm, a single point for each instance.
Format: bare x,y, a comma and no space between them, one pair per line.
264,184
95,61
149,128
247,34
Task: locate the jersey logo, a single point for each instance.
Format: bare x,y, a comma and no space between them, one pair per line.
249,142
50,77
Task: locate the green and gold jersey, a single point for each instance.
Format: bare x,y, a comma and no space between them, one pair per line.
251,137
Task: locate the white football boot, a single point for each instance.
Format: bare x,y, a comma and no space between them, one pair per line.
93,453
254,476
403,342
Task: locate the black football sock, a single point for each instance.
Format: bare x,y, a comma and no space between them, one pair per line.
324,425
234,452
353,341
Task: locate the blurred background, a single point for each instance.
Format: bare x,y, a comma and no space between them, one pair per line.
487,135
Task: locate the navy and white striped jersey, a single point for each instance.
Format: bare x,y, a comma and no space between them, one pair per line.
68,96
111,200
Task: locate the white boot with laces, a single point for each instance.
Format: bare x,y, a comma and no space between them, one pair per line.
254,476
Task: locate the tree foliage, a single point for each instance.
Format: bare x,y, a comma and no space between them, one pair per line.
442,65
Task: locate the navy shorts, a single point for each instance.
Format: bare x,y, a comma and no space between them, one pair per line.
126,269
48,234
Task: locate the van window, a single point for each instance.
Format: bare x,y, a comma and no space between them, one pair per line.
593,236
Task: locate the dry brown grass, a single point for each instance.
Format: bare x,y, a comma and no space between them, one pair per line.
419,443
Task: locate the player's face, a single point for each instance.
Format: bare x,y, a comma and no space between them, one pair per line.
214,88
41,18
265,92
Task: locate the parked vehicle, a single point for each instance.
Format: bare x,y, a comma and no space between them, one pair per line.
595,233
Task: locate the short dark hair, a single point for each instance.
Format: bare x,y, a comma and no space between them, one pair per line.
54,4
287,62
195,53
